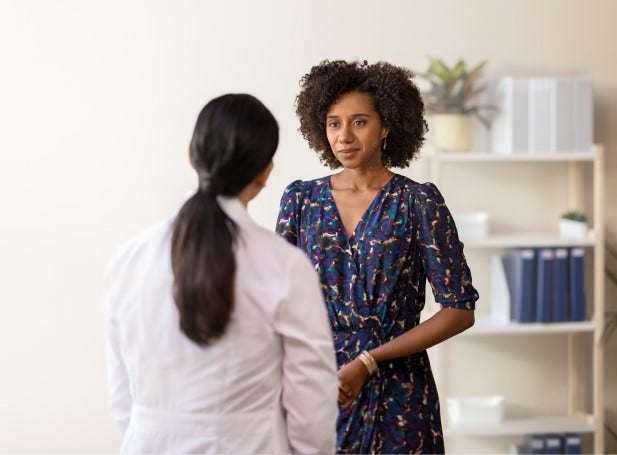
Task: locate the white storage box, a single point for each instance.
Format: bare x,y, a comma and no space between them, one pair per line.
487,409
471,225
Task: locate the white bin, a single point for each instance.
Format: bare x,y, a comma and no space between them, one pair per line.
475,409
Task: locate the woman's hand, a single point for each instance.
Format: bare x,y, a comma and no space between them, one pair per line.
351,379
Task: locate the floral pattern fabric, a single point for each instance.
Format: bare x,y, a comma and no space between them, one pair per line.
373,284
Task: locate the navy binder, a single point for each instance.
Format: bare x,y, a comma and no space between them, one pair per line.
572,444
535,444
561,302
520,269
544,285
577,284
553,444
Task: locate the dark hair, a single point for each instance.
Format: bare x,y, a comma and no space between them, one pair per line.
235,138
396,99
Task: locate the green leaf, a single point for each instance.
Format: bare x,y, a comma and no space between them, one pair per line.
439,69
471,78
459,68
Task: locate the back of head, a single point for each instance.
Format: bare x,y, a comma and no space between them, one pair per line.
234,139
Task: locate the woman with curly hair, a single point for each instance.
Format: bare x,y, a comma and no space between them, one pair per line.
375,237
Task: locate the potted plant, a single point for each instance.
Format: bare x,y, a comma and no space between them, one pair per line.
450,102
573,224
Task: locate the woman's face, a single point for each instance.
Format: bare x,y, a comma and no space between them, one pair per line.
355,131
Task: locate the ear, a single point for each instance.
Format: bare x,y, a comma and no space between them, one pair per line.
384,132
188,154
262,177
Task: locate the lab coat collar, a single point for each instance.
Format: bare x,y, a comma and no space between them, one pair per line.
235,210
231,206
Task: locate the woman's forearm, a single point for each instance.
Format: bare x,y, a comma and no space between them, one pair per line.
444,324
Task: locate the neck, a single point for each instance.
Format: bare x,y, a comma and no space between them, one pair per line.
363,179
248,193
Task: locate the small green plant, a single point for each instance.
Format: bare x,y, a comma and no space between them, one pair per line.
453,90
574,215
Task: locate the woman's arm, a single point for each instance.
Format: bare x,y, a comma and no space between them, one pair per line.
444,324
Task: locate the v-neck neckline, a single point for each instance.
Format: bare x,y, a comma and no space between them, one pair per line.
366,213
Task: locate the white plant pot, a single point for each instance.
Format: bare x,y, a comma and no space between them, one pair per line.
572,229
452,132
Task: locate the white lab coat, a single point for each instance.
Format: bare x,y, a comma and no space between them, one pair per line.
269,385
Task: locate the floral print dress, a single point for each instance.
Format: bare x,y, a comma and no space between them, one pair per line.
374,288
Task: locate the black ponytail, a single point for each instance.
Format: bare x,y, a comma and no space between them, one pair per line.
234,140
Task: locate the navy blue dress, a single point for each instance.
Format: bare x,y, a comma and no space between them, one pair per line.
374,288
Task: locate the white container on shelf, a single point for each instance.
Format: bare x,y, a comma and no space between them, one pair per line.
471,225
572,229
484,409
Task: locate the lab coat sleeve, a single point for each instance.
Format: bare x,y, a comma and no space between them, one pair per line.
120,400
310,383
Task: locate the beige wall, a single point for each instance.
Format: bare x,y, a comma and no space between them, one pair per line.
97,102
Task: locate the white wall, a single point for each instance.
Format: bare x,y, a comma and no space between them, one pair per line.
97,104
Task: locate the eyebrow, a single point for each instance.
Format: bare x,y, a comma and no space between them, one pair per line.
361,114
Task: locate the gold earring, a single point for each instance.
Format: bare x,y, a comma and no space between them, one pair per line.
385,143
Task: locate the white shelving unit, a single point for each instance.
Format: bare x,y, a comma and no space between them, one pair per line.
571,424
486,326
510,333
527,240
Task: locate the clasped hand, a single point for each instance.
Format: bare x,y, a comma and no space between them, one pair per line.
351,379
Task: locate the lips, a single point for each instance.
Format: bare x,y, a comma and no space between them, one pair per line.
345,153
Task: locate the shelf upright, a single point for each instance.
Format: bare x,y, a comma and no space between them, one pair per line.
599,297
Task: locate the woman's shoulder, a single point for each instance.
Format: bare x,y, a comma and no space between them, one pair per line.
420,192
301,191
305,186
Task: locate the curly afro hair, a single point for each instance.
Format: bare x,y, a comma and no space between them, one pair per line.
395,98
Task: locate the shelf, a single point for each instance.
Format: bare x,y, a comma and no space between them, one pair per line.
486,326
533,425
576,335
526,240
486,157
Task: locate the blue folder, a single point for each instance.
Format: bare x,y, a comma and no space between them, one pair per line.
535,444
561,282
577,284
520,269
544,285
572,444
553,444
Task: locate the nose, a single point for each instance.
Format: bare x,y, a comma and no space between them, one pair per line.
345,135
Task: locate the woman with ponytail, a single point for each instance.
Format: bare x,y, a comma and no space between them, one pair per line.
217,337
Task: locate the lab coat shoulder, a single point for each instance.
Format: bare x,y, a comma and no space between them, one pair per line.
132,259
276,247
268,258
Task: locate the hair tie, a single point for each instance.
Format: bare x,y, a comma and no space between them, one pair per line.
207,185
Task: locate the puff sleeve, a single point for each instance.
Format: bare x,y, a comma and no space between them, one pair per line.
442,251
